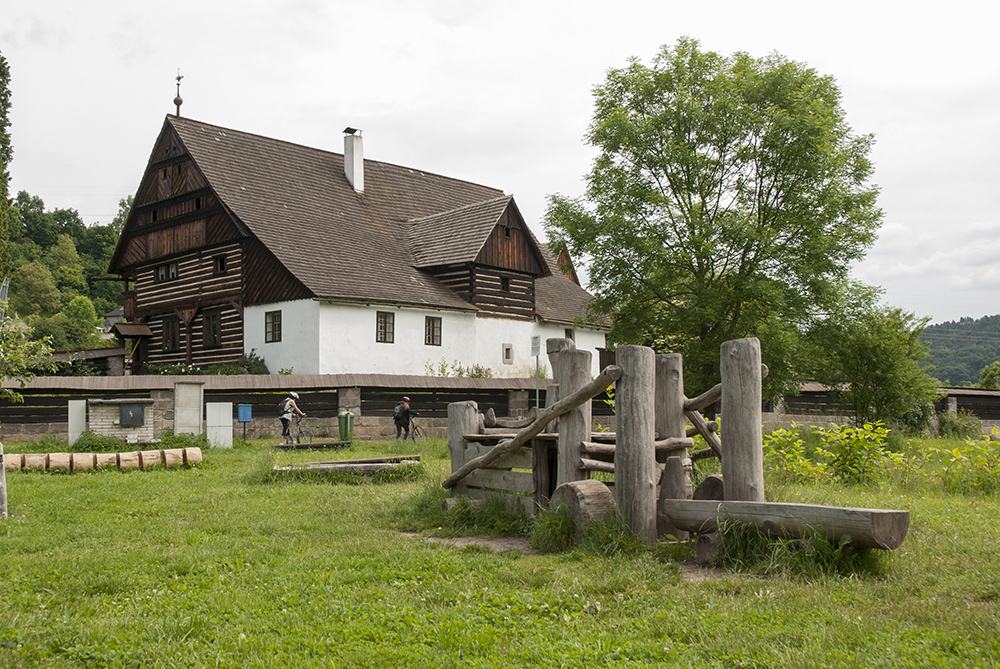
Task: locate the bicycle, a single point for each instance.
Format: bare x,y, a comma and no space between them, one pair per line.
416,432
301,435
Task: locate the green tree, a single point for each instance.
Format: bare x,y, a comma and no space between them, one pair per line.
6,154
82,323
20,356
728,199
33,291
989,376
124,208
875,358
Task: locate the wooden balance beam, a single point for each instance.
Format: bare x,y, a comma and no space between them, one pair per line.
868,528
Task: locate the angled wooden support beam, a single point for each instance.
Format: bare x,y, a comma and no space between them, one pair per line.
608,375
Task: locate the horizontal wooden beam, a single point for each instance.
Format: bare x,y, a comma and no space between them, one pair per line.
867,528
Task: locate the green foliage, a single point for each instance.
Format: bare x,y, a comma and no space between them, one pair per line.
856,454
443,368
746,548
184,440
552,531
875,358
248,363
493,517
728,199
610,537
960,350
6,154
20,357
972,468
989,376
34,291
90,442
961,425
252,363
786,456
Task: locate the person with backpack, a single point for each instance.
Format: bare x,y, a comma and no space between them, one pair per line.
286,409
401,417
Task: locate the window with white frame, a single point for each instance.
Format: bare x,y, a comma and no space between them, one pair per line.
385,327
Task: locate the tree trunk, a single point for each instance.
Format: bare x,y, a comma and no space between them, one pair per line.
588,502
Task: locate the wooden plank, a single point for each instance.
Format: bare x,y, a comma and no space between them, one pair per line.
516,503
519,482
868,528
520,459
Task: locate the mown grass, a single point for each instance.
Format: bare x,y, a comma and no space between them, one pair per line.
227,565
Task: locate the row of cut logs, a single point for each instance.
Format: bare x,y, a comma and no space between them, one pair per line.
75,462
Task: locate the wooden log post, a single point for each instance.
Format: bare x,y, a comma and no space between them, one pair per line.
588,502
608,375
3,486
553,347
463,419
574,425
636,472
675,482
742,435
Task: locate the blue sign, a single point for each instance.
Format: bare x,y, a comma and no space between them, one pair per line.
245,412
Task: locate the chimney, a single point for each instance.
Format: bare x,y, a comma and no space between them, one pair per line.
354,159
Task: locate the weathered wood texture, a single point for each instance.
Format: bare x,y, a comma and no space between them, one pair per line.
867,528
463,418
636,473
605,378
356,466
574,425
675,483
711,487
588,502
742,438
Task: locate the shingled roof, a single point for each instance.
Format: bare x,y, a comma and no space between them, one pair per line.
357,247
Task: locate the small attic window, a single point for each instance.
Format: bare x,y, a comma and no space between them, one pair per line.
505,284
506,232
155,215
197,203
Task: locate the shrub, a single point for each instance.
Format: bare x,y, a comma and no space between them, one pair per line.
89,442
184,440
785,455
961,425
856,454
972,468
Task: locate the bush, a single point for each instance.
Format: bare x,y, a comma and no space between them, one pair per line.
856,454
961,425
170,440
972,468
90,442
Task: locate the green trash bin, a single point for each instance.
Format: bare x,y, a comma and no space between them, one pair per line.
345,420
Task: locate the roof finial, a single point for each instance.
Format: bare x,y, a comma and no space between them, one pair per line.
178,101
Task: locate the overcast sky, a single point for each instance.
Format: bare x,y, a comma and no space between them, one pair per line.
499,93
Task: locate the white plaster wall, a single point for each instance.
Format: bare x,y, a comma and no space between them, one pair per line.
319,338
298,349
347,341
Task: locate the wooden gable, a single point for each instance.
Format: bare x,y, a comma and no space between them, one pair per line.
175,210
510,246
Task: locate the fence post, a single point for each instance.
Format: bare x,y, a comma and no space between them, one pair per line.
636,472
742,435
463,419
574,426
670,422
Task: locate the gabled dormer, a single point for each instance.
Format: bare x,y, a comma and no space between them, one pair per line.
485,253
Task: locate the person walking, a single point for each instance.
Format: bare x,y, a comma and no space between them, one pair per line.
401,417
289,410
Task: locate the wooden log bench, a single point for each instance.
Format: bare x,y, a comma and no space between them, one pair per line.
867,528
358,466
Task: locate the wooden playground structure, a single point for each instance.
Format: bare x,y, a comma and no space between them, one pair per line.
549,458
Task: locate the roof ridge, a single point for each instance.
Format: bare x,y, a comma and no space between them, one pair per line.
464,206
172,118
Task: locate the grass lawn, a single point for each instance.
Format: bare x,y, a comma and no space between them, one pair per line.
217,566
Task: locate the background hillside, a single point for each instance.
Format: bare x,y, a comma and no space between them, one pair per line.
961,348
